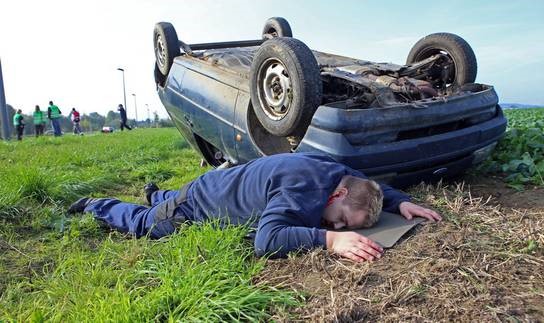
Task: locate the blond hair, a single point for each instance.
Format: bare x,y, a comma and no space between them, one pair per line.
363,194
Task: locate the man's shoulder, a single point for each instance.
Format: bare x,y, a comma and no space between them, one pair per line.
298,164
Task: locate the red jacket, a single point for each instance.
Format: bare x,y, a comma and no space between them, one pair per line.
75,116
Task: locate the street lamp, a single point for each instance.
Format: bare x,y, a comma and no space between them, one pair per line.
135,108
124,91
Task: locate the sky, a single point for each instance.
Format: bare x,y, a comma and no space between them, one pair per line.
69,51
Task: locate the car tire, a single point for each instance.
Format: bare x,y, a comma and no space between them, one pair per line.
166,46
276,27
285,86
464,59
160,79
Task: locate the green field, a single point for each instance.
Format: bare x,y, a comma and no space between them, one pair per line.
520,154
63,268
54,267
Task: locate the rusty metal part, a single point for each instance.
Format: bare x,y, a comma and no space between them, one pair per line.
405,85
293,141
416,69
386,80
384,95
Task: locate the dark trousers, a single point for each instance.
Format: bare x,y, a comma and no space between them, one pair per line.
38,129
161,219
77,128
56,127
19,129
124,125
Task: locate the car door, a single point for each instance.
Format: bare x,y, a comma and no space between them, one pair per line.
208,106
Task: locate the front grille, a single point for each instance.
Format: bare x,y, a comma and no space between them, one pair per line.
432,130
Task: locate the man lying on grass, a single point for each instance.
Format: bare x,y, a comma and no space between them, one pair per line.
290,199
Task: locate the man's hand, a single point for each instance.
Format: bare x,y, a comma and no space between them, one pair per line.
409,210
353,246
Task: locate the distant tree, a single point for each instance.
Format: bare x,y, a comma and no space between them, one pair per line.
112,119
86,124
166,123
96,120
65,122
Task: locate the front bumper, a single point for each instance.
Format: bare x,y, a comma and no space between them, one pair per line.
386,143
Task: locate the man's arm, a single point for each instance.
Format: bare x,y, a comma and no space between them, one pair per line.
409,210
353,246
392,198
278,239
282,228
284,238
48,113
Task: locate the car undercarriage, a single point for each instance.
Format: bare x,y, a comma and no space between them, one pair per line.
238,100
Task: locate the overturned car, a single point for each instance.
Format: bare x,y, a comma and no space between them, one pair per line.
238,100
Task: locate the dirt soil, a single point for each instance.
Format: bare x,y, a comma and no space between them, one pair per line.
532,198
484,262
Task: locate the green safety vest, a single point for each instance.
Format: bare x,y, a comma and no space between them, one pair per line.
38,117
17,119
55,112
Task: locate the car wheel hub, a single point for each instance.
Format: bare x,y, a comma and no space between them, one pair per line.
275,89
160,52
442,73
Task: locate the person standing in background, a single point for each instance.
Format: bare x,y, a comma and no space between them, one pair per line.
54,114
19,124
76,118
39,121
123,114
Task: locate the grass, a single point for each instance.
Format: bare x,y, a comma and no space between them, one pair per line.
59,268
482,263
199,274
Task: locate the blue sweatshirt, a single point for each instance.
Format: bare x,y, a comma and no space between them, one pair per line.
282,196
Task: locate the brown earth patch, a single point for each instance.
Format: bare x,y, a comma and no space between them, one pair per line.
484,262
532,197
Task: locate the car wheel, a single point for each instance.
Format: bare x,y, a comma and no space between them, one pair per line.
166,45
276,27
458,65
160,79
285,86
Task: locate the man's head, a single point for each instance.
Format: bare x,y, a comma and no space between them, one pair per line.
73,109
50,102
355,203
19,111
120,106
37,108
